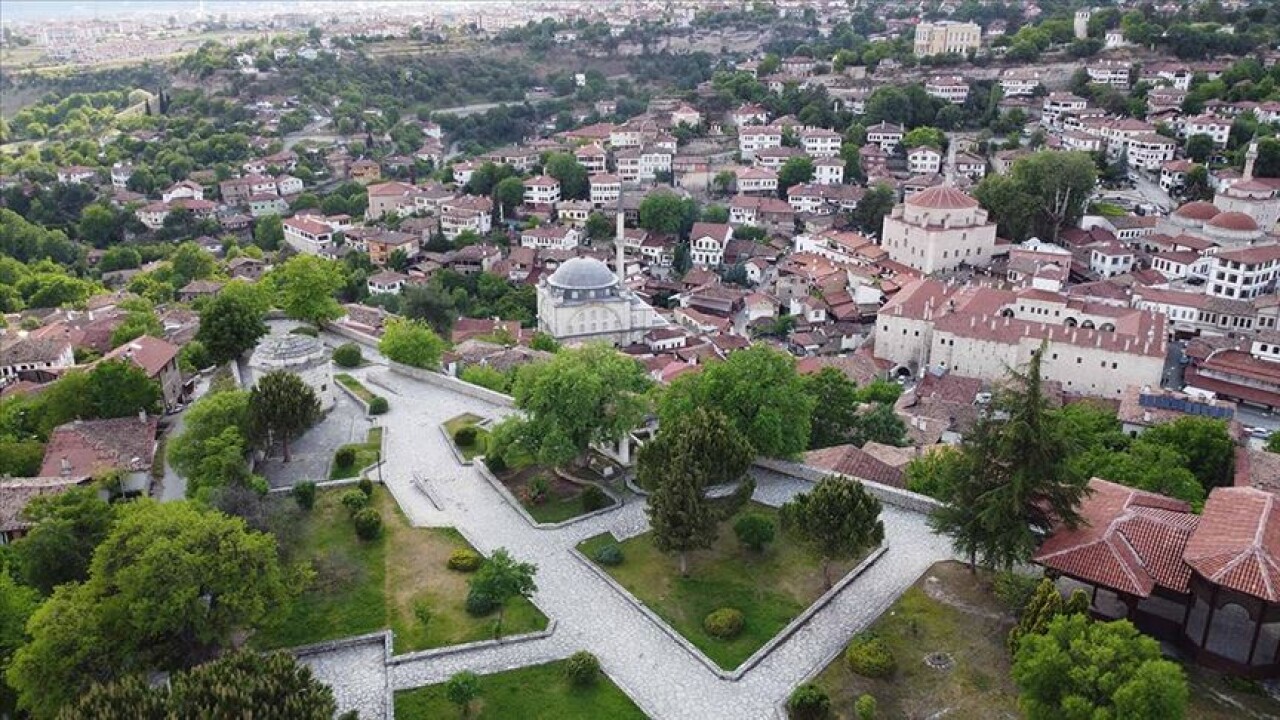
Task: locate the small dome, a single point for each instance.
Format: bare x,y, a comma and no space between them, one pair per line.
1197,210
1236,221
942,197
582,273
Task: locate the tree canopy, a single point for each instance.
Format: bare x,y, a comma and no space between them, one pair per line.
281,407
838,519
756,389
305,286
412,343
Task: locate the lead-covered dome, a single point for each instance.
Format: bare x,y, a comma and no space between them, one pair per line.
583,273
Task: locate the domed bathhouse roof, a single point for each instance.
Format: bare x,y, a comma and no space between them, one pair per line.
583,273
1236,221
1197,210
942,197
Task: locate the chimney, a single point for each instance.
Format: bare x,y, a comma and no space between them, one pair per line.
64,467
142,416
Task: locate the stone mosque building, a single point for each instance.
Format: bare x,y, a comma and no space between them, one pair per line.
583,301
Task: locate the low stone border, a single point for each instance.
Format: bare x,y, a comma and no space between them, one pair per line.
476,645
785,633
515,503
453,447
454,384
887,494
352,394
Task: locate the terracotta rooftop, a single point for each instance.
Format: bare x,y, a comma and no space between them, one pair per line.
149,353
1130,541
1237,544
942,197
16,493
853,461
1197,210
91,447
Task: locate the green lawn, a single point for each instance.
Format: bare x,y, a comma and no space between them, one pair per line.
363,587
770,588
474,449
958,614
367,454
533,693
355,386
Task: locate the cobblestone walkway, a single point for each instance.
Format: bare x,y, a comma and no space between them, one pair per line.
664,679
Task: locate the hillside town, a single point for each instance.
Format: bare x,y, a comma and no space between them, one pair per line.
655,359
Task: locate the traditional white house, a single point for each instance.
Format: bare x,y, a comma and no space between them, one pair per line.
707,243
820,142
542,190
886,135
923,160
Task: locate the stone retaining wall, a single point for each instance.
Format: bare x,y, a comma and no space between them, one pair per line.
905,499
472,646
454,384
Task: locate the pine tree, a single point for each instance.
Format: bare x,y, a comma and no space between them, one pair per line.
692,453
281,405
1045,604
1017,482
838,519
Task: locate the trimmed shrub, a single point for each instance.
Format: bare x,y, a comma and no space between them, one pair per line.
538,490
582,669
593,498
365,486
465,436
368,524
463,560
865,707
304,493
869,656
495,463
305,330
347,355
808,702
354,501
609,555
345,457
754,531
480,603
378,405
725,623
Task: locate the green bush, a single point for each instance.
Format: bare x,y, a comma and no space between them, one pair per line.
808,702
368,524
463,560
465,436
725,623
593,498
365,486
495,463
305,330
480,603
304,493
609,555
1014,590
754,531
865,707
869,656
378,405
354,501
345,457
347,355
582,669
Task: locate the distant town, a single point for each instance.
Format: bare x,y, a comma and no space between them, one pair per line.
657,359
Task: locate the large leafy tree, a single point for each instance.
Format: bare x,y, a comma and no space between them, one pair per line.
306,285
835,407
118,388
571,174
691,454
1018,480
1205,442
758,390
281,406
156,599
1012,209
430,303
232,322
1081,670
838,519
211,450
794,171
1059,185
412,343
868,216
667,213
17,603
503,578
67,528
242,684
578,397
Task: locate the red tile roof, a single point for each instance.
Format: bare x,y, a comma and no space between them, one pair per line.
1238,543
91,447
853,461
149,353
1130,541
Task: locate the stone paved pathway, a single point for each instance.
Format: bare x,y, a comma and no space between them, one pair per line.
664,679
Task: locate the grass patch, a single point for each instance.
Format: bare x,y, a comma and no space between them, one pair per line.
959,614
470,450
563,500
533,693
356,387
363,587
770,588
367,453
